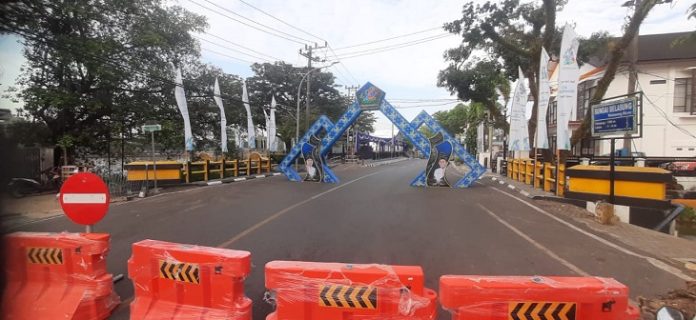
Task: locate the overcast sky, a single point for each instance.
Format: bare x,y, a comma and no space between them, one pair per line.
406,73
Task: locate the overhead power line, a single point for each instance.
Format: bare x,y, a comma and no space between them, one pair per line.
281,21
662,112
243,47
276,33
228,56
231,49
117,66
392,47
387,39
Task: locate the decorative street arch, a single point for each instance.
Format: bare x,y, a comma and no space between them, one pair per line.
370,98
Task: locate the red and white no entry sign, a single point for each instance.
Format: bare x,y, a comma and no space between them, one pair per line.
84,198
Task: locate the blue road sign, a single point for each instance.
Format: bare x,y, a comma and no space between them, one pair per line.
615,118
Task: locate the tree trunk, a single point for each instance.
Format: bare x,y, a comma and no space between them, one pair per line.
617,52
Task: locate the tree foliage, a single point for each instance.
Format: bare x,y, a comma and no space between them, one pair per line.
463,119
511,33
282,80
616,53
481,82
96,71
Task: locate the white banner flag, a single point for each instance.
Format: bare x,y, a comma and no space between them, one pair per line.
251,132
268,124
273,145
223,119
180,97
567,87
542,140
519,134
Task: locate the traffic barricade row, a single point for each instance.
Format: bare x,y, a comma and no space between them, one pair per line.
64,276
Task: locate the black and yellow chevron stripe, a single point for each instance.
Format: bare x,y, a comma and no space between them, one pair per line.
542,311
338,296
179,271
45,255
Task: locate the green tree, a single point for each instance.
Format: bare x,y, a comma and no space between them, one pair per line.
463,119
512,33
282,80
481,82
98,69
617,49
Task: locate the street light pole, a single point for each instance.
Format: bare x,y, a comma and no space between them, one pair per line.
297,112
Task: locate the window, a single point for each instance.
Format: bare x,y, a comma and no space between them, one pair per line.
658,81
585,92
553,106
682,95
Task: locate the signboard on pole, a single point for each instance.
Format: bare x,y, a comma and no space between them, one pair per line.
152,127
84,198
615,118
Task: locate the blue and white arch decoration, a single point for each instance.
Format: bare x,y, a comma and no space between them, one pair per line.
369,97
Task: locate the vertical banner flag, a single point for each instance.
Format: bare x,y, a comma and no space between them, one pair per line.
251,132
542,139
180,97
567,87
273,145
268,125
223,119
519,134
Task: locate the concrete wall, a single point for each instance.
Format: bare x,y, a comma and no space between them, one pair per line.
660,138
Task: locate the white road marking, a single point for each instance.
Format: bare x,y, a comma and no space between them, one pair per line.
655,262
501,182
511,186
260,176
239,179
212,183
84,198
288,209
276,173
539,246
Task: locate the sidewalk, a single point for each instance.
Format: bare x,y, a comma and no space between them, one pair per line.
678,251
15,212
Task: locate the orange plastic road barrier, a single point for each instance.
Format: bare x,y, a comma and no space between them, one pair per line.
176,281
57,276
307,290
535,298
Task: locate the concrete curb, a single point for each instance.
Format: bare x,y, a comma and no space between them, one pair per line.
512,187
237,179
623,213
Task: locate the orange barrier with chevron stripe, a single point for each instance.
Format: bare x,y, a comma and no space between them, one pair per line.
308,290
176,281
535,298
57,276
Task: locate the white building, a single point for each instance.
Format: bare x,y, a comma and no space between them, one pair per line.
666,73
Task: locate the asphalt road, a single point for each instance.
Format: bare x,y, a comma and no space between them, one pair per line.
372,216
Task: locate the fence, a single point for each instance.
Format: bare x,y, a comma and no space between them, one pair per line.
540,174
207,170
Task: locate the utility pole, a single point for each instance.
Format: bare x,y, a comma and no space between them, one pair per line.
353,89
308,54
632,54
351,151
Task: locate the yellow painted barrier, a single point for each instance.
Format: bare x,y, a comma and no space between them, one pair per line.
167,171
641,186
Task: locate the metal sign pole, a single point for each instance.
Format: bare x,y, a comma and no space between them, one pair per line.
88,228
154,162
612,197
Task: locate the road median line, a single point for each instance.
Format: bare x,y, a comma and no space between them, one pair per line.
288,209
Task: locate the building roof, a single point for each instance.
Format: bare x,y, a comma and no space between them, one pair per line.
654,47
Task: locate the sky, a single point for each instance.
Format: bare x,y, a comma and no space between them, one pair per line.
406,73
